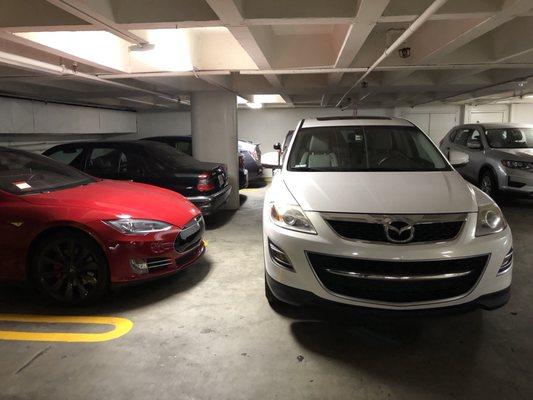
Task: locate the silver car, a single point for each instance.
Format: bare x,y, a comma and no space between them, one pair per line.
500,156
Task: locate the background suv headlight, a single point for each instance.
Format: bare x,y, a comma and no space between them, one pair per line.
130,226
518,165
489,220
290,216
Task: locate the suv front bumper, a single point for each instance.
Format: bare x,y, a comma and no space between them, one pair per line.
303,280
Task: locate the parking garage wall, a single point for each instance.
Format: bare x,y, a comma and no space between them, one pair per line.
36,126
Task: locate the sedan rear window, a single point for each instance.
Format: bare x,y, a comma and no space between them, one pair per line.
364,148
510,138
23,173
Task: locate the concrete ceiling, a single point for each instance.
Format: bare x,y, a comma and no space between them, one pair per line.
311,52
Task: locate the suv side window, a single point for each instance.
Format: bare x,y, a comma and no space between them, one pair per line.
72,156
462,137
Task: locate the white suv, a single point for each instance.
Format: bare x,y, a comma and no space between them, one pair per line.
368,212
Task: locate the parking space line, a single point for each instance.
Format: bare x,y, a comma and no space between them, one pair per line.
121,327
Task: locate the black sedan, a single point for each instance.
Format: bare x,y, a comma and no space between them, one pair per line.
248,167
202,183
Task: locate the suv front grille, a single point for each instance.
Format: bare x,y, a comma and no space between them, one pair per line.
372,228
397,281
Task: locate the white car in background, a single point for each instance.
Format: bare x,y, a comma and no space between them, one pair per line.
368,212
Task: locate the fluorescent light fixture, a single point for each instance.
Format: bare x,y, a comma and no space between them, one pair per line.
528,96
254,105
268,99
98,47
170,51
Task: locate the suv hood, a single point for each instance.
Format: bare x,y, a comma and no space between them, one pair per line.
107,199
381,192
516,154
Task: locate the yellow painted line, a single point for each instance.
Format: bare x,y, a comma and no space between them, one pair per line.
121,327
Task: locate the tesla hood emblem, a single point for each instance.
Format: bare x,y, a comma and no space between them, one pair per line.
17,224
398,231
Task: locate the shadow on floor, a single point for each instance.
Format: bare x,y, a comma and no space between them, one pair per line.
259,183
441,355
23,299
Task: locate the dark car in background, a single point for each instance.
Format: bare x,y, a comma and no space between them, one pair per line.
203,184
252,159
250,168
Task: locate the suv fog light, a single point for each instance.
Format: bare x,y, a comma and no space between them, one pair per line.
278,256
507,263
139,266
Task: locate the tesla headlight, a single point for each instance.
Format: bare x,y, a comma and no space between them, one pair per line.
489,220
291,217
129,226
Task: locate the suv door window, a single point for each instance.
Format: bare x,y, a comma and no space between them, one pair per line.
474,137
462,137
72,156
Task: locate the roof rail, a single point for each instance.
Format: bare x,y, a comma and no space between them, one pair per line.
344,117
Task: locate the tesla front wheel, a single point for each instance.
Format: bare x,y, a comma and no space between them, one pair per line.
70,268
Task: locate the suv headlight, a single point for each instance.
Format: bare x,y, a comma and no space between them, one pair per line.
489,220
290,216
518,165
129,226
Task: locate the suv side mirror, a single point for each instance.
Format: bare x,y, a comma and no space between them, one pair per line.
277,146
458,158
474,144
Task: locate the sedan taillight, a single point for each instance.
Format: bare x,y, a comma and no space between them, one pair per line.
204,183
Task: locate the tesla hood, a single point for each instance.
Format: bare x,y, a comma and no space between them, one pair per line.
381,192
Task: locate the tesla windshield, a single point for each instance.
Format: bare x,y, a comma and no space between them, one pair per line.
22,172
364,148
510,138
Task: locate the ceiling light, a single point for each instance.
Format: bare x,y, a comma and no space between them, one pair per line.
528,96
268,99
240,100
254,105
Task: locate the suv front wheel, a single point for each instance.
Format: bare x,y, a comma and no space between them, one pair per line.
488,183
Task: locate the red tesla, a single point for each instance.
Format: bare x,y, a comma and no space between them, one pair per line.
73,235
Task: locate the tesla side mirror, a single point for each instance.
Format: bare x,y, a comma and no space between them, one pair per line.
277,146
474,144
458,158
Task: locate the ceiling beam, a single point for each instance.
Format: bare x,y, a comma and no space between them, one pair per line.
366,19
101,19
448,38
253,40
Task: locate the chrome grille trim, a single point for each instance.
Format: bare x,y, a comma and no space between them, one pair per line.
351,274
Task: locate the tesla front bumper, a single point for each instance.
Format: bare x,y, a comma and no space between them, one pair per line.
318,267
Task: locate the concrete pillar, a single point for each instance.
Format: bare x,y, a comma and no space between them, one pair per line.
214,134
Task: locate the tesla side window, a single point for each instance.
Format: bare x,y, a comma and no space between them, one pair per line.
22,173
71,156
510,138
370,148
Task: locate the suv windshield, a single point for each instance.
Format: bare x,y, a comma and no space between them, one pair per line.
510,138
22,173
364,148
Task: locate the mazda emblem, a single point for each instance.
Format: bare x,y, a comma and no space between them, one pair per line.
398,231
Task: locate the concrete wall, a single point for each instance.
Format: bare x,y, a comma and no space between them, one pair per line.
521,113
269,125
36,126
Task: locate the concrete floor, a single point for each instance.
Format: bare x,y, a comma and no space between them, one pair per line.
210,334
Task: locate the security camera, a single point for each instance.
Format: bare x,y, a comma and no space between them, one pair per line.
405,52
